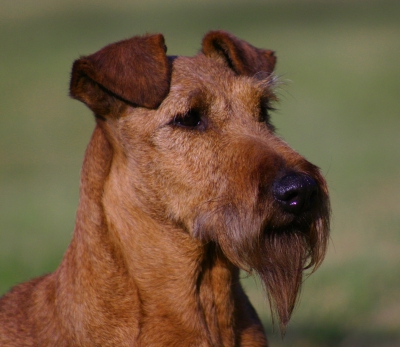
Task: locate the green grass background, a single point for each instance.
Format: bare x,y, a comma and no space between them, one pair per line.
340,61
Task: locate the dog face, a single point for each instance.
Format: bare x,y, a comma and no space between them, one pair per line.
196,150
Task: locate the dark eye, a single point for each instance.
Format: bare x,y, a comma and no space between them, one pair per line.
191,119
264,115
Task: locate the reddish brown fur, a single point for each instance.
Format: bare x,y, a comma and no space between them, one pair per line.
167,213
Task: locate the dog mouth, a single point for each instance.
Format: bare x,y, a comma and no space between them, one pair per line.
290,228
295,228
284,221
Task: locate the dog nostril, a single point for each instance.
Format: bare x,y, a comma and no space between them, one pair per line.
295,192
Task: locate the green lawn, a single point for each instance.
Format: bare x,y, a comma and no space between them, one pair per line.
340,107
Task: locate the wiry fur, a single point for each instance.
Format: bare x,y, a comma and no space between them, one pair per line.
168,213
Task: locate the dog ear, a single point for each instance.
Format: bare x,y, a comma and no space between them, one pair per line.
135,71
241,57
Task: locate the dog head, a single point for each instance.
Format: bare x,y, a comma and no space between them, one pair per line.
196,150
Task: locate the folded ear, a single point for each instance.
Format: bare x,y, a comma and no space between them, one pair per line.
241,57
135,71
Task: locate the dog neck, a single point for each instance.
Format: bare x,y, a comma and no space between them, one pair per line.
151,277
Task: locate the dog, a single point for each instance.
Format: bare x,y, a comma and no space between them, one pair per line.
184,182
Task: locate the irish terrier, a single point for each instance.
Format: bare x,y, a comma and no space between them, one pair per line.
184,182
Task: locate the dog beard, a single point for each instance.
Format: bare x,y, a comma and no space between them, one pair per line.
276,252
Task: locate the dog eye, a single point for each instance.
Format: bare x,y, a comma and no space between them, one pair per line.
264,116
264,113
191,119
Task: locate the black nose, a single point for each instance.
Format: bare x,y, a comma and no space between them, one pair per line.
295,192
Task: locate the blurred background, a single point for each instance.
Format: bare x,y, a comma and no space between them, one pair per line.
339,107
